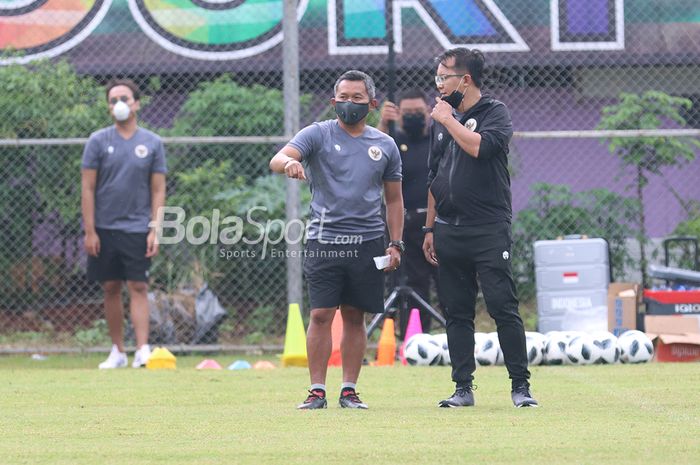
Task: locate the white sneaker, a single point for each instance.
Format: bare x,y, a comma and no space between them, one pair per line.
141,356
116,359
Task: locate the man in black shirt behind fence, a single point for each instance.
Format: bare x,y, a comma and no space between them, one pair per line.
412,138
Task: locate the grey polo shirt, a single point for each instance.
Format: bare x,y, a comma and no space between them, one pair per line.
346,176
124,168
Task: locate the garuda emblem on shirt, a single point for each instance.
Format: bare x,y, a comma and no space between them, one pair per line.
375,153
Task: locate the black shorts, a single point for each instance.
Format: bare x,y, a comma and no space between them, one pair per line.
345,274
122,257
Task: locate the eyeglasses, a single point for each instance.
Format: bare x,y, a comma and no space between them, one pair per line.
440,79
358,100
114,100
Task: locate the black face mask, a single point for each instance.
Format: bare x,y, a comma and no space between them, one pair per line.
351,113
454,99
413,124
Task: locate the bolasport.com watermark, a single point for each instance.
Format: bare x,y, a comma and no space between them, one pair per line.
262,235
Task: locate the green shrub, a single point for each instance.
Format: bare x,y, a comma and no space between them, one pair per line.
42,183
94,336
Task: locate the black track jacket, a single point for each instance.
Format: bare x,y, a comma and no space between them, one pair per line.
468,190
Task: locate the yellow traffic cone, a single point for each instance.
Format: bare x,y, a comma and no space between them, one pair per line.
161,359
295,340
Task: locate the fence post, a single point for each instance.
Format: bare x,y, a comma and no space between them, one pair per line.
290,60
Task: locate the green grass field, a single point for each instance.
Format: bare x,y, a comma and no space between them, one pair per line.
64,411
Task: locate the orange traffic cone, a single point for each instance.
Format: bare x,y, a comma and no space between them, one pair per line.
386,349
336,359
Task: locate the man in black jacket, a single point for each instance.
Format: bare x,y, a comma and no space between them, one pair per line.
468,225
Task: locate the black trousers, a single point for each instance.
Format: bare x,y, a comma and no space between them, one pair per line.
465,252
418,272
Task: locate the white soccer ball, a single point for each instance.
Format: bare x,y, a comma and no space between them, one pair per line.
479,338
635,347
581,351
571,334
555,348
442,341
488,351
606,344
535,347
423,349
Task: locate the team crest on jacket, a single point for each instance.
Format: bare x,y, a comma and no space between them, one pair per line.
141,151
470,124
506,255
375,153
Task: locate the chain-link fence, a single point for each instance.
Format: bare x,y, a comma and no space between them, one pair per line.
214,69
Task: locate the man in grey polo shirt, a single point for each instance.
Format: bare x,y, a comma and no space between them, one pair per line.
348,165
123,186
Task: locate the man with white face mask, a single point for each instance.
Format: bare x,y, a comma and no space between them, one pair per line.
123,186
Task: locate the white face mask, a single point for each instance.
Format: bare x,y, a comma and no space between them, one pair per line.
121,111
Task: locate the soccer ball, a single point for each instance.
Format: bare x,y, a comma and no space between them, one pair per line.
423,349
581,351
606,344
635,347
442,341
571,334
478,339
555,348
488,351
535,347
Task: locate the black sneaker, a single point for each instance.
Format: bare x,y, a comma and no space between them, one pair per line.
521,396
351,399
463,397
316,399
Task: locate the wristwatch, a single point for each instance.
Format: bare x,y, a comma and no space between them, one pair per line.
399,245
427,229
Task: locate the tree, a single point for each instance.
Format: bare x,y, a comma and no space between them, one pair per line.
42,183
647,155
223,107
232,178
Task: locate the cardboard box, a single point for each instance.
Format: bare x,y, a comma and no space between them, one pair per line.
676,337
623,302
669,302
